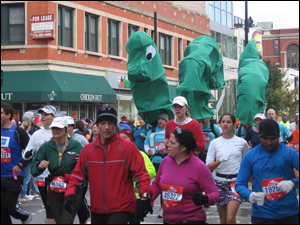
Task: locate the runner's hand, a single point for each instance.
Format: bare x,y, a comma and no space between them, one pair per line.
71,200
253,198
44,164
144,209
225,157
286,185
17,170
151,151
199,199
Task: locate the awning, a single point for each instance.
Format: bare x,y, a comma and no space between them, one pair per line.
46,85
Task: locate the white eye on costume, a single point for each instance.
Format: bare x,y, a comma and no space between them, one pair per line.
150,52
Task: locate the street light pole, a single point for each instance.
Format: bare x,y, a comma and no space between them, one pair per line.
155,28
246,23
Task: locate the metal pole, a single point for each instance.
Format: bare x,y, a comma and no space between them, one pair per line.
155,28
246,23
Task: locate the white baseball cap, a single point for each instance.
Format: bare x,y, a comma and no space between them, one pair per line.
180,100
59,122
260,115
48,109
70,120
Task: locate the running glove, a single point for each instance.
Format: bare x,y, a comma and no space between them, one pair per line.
199,199
286,186
144,209
225,157
71,200
253,198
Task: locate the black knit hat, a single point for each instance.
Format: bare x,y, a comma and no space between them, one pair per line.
186,138
107,113
268,127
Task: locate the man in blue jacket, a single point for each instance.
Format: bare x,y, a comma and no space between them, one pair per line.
271,164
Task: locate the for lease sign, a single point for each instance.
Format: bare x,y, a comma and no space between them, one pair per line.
42,26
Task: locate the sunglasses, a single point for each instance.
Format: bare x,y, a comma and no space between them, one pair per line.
178,130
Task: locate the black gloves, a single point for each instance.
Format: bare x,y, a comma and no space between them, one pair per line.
29,154
71,200
199,199
145,207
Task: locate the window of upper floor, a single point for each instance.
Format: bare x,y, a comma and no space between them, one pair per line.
221,12
12,24
91,32
113,37
132,29
65,26
276,47
228,44
292,54
165,48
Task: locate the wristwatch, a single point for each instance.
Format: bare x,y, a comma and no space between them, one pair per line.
146,195
20,165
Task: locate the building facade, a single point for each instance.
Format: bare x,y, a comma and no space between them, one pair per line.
71,54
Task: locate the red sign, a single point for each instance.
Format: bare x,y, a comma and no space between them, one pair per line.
42,26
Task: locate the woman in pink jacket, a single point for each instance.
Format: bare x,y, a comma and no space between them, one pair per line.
182,178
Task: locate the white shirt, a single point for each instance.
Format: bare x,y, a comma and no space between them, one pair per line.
236,147
37,139
81,139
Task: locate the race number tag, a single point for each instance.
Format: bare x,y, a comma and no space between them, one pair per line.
206,138
40,181
5,155
160,147
58,184
172,196
232,186
271,190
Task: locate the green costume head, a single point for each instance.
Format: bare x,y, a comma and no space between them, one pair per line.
199,72
149,86
252,84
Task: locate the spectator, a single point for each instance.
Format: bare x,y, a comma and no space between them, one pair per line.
95,133
285,134
293,124
124,123
131,124
252,135
285,122
140,134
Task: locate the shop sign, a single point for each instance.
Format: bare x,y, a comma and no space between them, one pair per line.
230,68
6,96
123,82
42,26
91,97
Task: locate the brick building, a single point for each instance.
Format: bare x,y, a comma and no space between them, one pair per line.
71,54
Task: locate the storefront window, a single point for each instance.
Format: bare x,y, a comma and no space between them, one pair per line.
82,111
91,109
18,110
64,108
74,108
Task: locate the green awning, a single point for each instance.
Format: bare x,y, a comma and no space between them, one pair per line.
46,85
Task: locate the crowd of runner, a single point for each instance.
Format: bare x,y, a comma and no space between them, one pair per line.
192,165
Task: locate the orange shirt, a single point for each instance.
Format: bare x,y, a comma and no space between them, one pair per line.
295,142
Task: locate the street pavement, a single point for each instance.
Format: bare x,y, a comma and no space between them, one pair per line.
38,212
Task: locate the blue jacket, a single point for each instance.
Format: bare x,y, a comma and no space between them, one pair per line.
139,140
263,165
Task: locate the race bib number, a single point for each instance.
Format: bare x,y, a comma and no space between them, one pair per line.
160,147
172,196
58,185
271,189
206,138
232,186
5,155
40,181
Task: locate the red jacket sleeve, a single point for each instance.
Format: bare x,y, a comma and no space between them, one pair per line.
138,165
198,133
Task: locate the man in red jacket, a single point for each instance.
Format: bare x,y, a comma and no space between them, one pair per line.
110,164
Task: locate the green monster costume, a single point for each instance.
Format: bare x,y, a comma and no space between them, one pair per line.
252,84
149,86
200,71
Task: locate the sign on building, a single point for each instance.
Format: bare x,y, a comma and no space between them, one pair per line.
42,26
